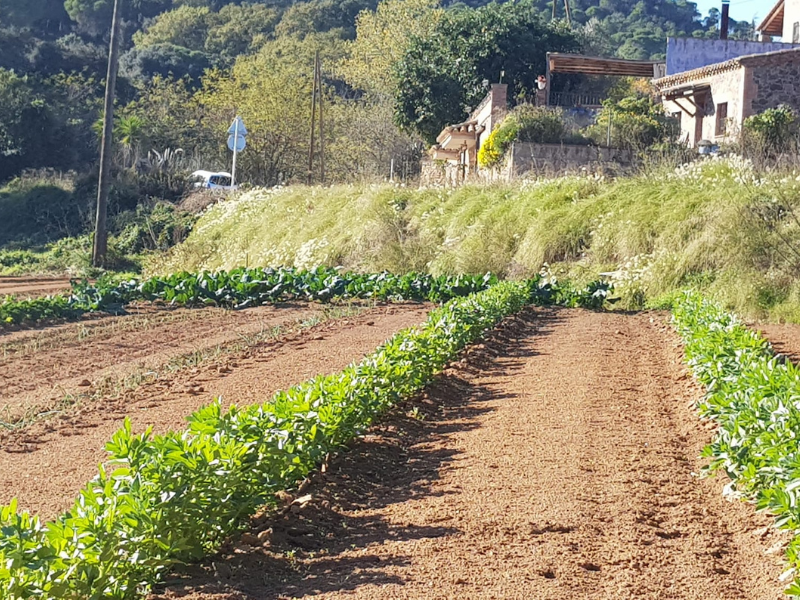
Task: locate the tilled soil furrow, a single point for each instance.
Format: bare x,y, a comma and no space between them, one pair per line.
70,356
31,287
558,462
785,338
45,465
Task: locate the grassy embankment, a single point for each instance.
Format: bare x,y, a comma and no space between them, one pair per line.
717,226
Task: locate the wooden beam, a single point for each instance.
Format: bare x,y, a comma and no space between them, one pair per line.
683,108
773,22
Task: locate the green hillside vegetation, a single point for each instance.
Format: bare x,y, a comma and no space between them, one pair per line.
174,54
394,73
715,226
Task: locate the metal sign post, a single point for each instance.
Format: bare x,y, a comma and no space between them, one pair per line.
236,143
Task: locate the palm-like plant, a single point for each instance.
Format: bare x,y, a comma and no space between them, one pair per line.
129,132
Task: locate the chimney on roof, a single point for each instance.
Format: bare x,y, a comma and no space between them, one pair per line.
726,19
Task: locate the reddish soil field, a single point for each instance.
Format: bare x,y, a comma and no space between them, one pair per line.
46,463
784,338
556,461
32,287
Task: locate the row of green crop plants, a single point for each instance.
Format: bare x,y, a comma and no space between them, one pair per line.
241,288
176,497
754,396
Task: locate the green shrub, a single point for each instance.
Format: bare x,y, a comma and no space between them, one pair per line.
36,211
637,123
526,123
774,130
153,226
540,125
494,148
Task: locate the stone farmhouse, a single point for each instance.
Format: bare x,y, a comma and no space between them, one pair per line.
712,102
712,86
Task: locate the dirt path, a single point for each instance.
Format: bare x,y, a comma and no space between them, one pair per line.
32,287
557,462
46,464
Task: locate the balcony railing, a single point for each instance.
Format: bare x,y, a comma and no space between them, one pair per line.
572,100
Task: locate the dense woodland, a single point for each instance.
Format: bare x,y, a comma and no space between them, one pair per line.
394,74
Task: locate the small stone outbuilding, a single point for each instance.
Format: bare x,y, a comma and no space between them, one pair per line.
458,145
712,102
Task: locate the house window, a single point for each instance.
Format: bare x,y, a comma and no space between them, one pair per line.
678,116
796,33
722,118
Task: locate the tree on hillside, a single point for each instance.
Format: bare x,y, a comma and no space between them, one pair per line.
185,26
320,16
166,60
36,124
382,38
271,91
239,29
95,15
172,116
443,75
31,13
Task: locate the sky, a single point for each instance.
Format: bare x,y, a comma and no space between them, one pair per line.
741,10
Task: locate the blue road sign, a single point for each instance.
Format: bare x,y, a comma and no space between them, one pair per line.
240,143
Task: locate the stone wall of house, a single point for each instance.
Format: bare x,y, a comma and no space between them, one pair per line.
727,86
774,82
526,159
686,54
438,173
556,159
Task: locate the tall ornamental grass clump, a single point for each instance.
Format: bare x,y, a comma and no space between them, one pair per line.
752,395
717,225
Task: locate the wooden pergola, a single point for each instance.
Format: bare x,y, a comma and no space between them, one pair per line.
560,62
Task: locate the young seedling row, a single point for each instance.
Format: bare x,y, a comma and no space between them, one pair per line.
752,394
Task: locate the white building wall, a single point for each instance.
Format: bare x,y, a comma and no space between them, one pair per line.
791,15
686,54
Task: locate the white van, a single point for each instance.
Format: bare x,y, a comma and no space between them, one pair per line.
210,180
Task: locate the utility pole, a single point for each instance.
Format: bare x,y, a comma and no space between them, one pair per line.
554,9
569,12
321,122
100,247
317,91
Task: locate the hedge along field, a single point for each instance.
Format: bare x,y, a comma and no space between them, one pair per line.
716,225
176,497
752,395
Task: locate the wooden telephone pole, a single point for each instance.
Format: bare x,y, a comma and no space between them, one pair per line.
316,94
567,10
100,246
